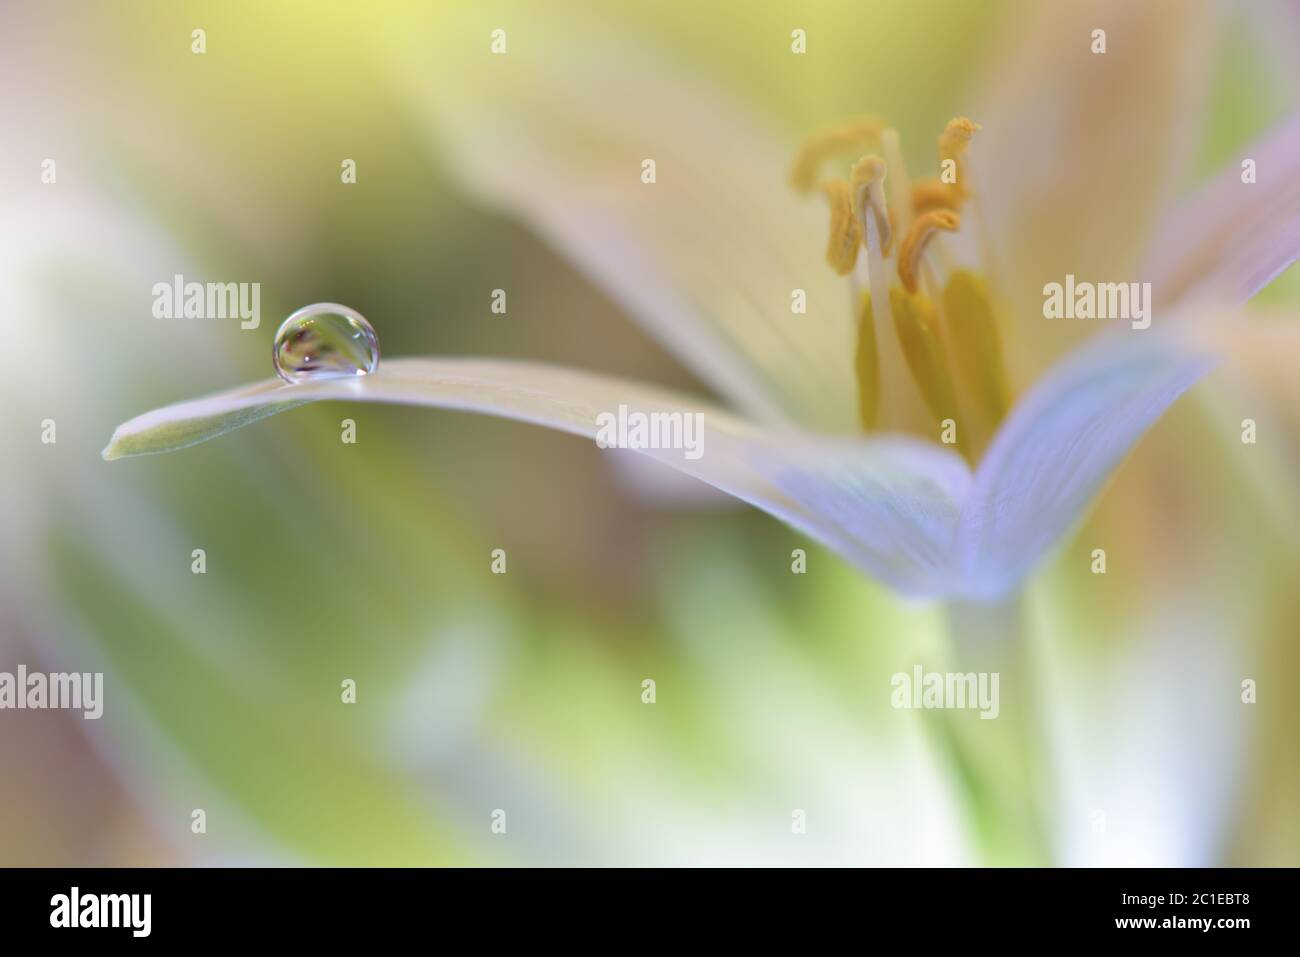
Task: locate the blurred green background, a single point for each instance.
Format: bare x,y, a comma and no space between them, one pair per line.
522,692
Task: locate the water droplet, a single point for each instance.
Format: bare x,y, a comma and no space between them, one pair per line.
325,341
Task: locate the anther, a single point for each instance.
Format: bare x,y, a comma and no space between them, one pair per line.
914,243
856,134
846,231
928,194
953,142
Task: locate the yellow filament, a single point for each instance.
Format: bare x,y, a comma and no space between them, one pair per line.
866,364
853,135
917,325
868,191
846,231
914,243
975,347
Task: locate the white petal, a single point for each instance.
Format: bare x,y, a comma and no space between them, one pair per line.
1058,446
1232,239
889,505
707,257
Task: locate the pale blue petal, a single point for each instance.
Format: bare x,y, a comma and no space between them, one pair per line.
1058,446
1231,239
892,502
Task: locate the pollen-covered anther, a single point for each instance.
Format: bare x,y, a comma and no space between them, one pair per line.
857,134
928,194
922,230
846,230
868,191
953,143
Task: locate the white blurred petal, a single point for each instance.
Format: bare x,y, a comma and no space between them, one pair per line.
1259,383
707,257
1079,150
1148,731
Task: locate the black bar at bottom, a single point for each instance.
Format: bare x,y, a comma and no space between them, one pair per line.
334,906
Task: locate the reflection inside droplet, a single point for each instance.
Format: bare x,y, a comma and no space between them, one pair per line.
325,341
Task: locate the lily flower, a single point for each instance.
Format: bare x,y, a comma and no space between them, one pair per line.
897,421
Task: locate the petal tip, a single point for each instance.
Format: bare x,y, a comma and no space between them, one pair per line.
113,449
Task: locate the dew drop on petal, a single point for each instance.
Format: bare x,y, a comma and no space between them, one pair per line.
325,341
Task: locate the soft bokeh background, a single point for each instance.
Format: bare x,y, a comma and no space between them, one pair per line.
371,561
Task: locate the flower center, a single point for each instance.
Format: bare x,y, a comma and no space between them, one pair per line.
929,355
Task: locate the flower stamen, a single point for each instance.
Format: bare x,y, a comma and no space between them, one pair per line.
953,143
918,236
846,230
900,184
855,135
931,193
971,331
867,185
866,365
917,324
928,345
